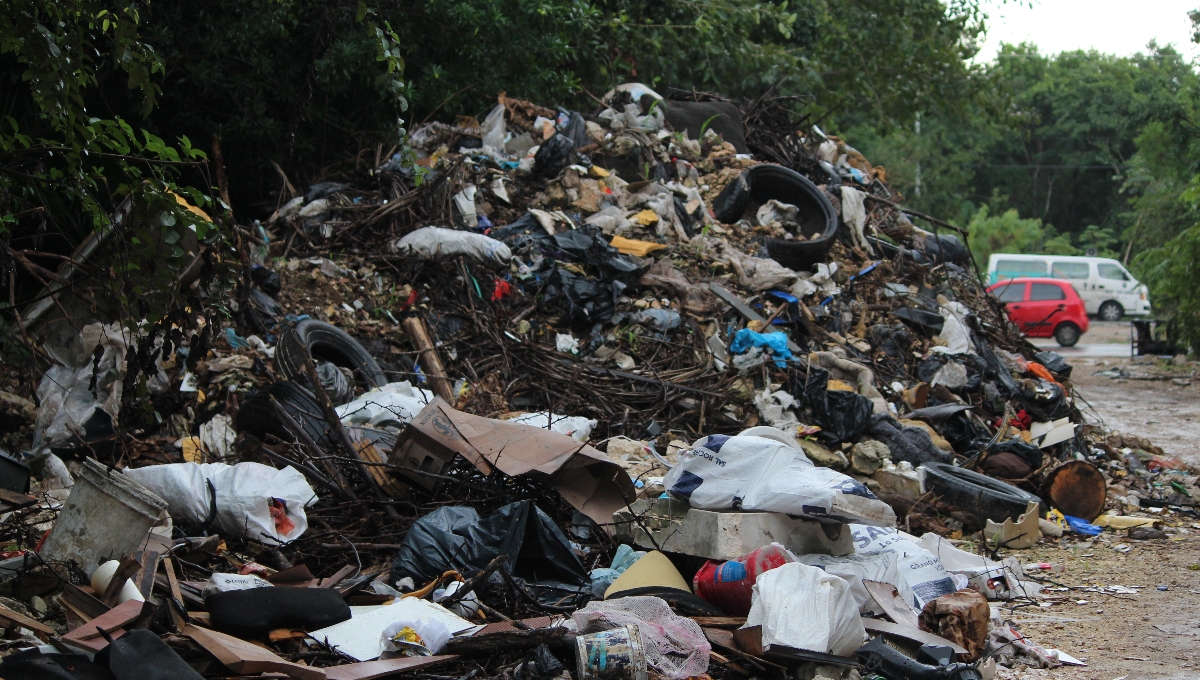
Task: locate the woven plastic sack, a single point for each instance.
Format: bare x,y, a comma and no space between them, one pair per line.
674,646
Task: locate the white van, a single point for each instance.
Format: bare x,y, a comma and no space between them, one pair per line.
1107,289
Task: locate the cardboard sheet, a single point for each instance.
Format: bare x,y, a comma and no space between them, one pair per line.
586,478
245,658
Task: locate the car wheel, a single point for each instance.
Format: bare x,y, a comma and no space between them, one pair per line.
1111,311
1067,334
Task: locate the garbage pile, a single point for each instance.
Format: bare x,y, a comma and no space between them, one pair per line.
599,395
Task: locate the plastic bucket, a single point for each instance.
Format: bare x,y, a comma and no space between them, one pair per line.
106,517
730,585
611,655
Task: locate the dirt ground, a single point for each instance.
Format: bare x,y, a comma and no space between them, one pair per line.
1153,633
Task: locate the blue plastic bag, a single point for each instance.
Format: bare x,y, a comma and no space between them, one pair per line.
776,342
1081,526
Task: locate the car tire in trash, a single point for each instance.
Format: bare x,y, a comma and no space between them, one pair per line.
258,417
328,343
1067,334
817,219
977,493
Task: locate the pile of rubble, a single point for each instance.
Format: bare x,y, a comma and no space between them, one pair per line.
672,387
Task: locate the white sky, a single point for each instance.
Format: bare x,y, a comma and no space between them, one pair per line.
1120,27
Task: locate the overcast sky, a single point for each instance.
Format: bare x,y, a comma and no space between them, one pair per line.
1120,27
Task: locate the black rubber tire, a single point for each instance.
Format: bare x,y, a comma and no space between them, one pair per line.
258,417
978,494
1111,311
818,218
1067,334
328,343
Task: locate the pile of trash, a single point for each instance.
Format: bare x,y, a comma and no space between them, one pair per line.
600,395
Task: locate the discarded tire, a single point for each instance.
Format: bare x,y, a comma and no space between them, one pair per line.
977,493
817,220
258,417
325,343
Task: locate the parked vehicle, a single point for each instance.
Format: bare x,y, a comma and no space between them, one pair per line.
1107,289
1044,308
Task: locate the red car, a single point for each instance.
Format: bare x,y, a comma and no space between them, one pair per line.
1044,308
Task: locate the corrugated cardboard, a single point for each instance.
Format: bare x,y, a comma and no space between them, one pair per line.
586,478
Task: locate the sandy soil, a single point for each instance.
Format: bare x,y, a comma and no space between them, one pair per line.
1155,633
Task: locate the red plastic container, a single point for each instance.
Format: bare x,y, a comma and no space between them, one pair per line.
730,585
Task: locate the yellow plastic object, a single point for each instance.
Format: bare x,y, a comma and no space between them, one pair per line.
835,385
1058,518
628,246
654,569
1122,522
597,172
646,217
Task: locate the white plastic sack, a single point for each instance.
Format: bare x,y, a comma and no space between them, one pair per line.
776,211
430,242
752,473
243,494
577,427
881,566
854,214
221,583
803,607
921,571
392,405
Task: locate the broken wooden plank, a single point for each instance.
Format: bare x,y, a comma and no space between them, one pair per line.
246,658
371,670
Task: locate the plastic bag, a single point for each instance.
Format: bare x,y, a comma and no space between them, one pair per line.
494,131
220,583
777,342
842,415
394,404
454,537
577,427
623,559
803,607
217,436
83,400
921,570
431,242
415,638
880,566
253,501
553,155
757,474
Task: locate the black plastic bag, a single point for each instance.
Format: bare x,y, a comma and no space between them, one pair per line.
523,232
1054,363
575,129
265,279
1030,453
583,299
539,664
31,664
842,415
454,537
142,655
945,248
586,245
1044,401
553,155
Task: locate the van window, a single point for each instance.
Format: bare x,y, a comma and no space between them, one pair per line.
1069,270
1112,271
1007,269
1046,291
1013,292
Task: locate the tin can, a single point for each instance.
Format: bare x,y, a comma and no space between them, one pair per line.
611,655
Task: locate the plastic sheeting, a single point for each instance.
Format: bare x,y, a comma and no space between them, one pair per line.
393,405
454,537
752,473
777,342
803,607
